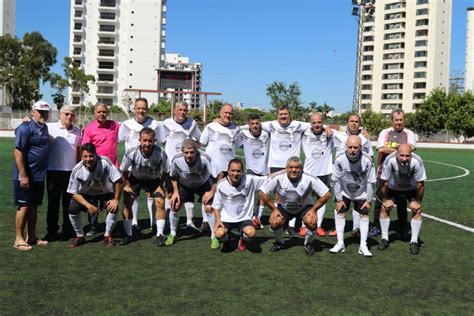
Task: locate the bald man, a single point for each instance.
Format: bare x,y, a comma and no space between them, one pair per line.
402,179
353,176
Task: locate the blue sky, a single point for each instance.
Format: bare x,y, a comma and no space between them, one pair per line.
244,45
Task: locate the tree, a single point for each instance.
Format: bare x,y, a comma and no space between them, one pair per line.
281,95
324,109
431,115
58,83
24,63
373,122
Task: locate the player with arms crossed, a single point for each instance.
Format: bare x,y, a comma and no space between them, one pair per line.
295,189
353,176
403,179
192,173
145,167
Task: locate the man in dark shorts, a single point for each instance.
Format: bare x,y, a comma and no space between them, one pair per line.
29,171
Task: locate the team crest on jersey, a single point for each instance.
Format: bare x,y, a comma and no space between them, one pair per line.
284,145
353,187
316,153
225,149
257,153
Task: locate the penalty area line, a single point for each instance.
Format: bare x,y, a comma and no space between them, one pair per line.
437,219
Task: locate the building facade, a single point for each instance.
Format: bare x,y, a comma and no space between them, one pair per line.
469,66
121,43
7,26
404,52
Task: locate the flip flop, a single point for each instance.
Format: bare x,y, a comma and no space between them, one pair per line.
22,247
38,242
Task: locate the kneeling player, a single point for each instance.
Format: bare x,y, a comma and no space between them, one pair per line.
233,204
295,189
403,179
144,167
192,173
95,183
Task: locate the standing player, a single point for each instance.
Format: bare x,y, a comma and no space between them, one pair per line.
95,184
233,204
317,147
144,167
387,143
192,173
129,132
29,170
256,141
295,190
403,179
353,176
176,130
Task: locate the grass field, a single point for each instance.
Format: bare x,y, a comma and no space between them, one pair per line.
190,278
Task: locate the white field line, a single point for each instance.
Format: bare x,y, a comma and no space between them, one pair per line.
465,174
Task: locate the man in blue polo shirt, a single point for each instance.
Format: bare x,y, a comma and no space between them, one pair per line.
29,170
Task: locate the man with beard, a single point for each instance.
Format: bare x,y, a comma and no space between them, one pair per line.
353,176
402,179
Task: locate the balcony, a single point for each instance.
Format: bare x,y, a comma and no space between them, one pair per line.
106,43
105,91
78,3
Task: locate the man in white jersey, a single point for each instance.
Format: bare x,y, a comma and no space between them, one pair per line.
64,144
387,143
176,130
144,167
233,205
402,179
129,132
340,140
256,141
317,147
353,176
95,183
192,173
295,190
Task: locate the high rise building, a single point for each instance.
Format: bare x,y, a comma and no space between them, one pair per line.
469,66
7,26
121,43
404,52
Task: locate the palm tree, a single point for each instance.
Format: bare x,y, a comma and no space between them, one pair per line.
324,109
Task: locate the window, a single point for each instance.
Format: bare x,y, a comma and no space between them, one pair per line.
421,1
78,2
107,28
107,15
394,46
421,22
77,38
77,26
395,5
393,56
368,48
106,65
421,53
77,51
366,87
107,3
366,77
368,28
421,43
391,96
394,36
77,13
106,52
421,64
419,95
392,76
367,67
106,40
392,86
106,77
393,26
367,57
391,106
392,16
105,89
421,33
108,101
76,100
420,74
393,66
368,38
366,96
422,11
419,85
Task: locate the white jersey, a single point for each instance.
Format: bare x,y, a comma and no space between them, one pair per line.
318,153
63,145
255,150
193,176
98,182
285,141
142,168
352,179
236,203
221,142
175,133
340,141
294,196
130,131
403,178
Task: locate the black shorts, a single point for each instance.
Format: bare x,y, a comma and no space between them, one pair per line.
32,195
168,185
401,195
289,216
97,200
276,169
149,186
357,206
325,179
238,225
186,194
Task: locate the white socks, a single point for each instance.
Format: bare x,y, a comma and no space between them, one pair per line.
260,211
110,223
355,219
384,226
127,226
292,222
309,237
150,202
212,222
415,229
340,224
174,219
160,226
204,214
76,222
321,212
135,211
189,207
364,230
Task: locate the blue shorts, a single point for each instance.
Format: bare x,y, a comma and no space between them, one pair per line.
32,195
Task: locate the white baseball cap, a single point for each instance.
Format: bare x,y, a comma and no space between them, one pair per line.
41,106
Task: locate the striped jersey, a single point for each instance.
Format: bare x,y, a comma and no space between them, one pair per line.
403,178
145,168
195,175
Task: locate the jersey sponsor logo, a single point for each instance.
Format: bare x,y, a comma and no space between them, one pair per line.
316,153
257,153
225,149
178,148
284,145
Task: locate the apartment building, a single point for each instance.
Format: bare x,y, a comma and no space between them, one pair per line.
7,26
404,52
121,43
469,63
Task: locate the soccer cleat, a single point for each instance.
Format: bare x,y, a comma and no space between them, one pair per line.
91,232
171,240
134,230
363,250
292,232
256,223
109,242
356,232
332,233
160,240
321,232
277,247
383,244
374,231
242,246
308,249
192,227
126,240
302,231
204,226
215,243
339,247
414,248
77,242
